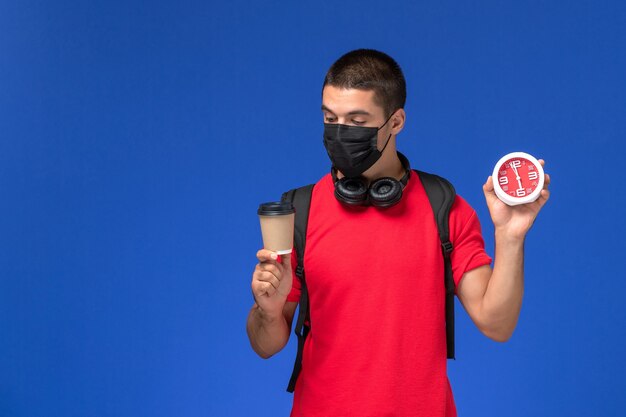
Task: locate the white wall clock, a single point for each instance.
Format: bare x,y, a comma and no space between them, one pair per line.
518,178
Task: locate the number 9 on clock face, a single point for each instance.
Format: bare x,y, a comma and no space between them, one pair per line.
518,178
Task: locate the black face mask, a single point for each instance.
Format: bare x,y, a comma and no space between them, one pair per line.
352,149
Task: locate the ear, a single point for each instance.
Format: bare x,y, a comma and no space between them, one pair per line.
397,121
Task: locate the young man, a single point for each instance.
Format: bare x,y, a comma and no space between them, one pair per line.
377,345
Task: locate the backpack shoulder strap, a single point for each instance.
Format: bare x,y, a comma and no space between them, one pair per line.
441,195
301,200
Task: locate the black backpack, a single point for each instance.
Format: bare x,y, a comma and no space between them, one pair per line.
441,195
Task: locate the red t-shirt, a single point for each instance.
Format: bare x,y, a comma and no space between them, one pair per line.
377,345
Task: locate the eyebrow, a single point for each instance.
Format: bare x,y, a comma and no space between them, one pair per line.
353,112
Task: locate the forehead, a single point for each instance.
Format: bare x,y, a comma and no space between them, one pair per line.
344,100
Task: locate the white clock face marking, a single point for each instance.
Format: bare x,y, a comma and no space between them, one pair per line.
515,164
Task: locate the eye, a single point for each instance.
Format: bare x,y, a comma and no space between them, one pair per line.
329,119
358,122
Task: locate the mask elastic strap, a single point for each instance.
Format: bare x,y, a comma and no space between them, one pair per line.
381,152
387,120
387,143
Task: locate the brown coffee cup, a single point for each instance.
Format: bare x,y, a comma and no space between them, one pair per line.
277,222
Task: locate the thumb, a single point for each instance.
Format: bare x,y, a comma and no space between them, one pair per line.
488,186
488,190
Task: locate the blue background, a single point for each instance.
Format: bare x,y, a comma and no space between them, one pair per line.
138,138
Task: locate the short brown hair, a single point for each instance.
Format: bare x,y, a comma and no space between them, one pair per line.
368,69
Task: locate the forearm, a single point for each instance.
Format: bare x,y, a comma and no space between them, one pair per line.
502,301
268,334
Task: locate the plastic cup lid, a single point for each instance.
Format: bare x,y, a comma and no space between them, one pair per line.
275,208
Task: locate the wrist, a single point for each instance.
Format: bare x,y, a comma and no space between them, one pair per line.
268,316
506,236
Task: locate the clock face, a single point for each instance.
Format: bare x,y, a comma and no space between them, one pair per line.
518,178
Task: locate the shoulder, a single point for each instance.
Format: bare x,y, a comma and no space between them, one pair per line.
461,212
464,220
461,207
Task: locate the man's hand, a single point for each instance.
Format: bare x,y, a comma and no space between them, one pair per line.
514,221
270,318
271,282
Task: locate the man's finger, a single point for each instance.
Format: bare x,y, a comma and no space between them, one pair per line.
488,189
488,186
269,289
276,270
267,276
265,255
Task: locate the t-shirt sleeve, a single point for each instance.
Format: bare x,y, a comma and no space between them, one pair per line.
466,237
294,295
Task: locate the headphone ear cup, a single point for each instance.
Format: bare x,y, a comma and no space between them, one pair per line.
385,192
352,191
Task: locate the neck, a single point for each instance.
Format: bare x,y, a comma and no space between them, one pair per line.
388,165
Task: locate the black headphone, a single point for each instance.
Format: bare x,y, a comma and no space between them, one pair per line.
383,192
